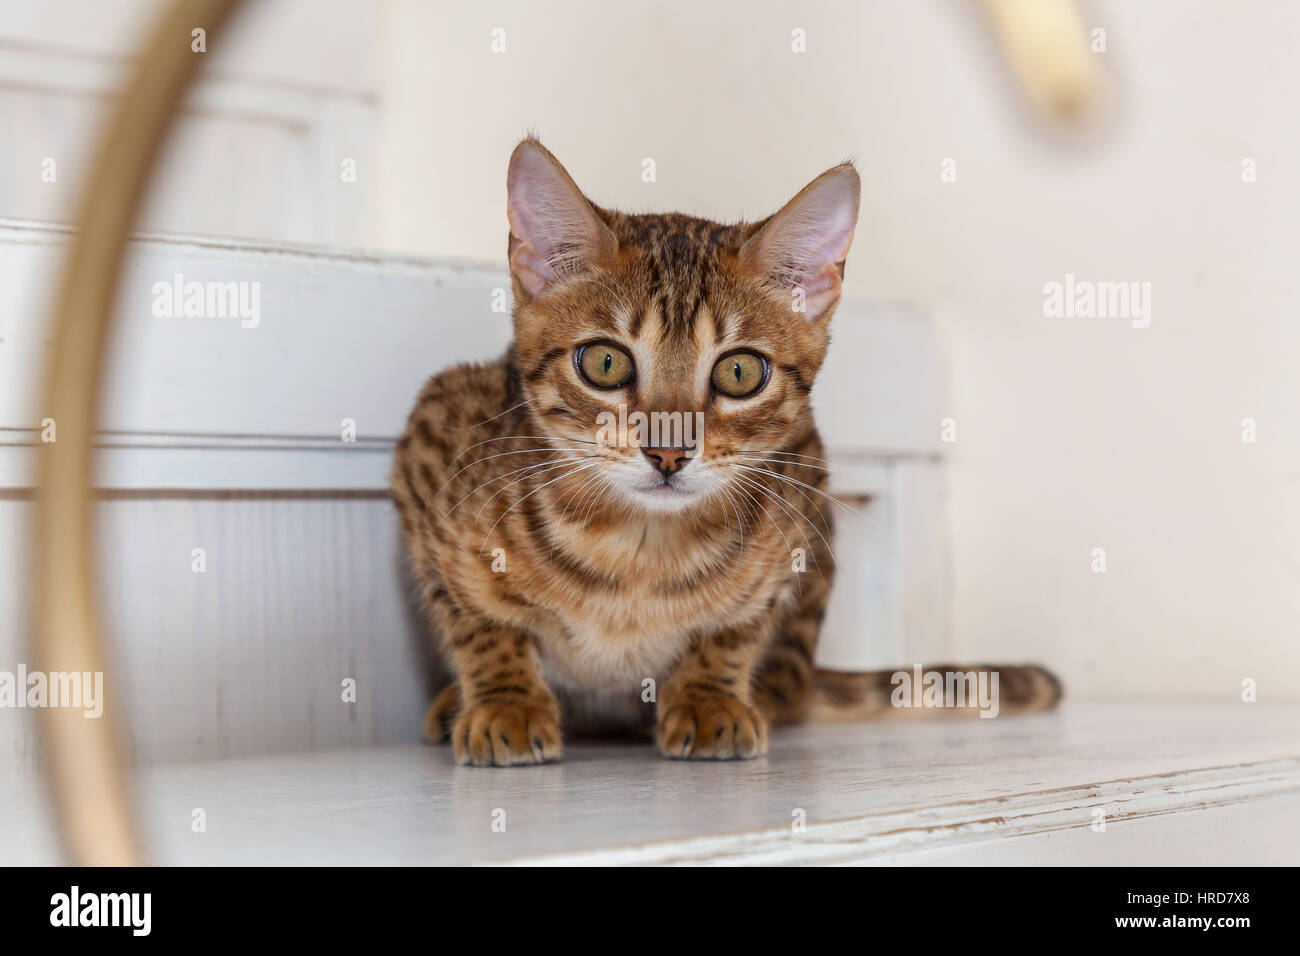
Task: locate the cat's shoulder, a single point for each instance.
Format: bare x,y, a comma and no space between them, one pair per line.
470,383
470,392
461,405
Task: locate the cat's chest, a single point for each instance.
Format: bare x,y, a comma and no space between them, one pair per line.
639,622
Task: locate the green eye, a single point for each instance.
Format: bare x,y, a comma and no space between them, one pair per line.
604,365
740,374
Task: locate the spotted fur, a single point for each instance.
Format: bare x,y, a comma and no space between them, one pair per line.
559,590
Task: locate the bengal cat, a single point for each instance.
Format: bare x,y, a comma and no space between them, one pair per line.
578,565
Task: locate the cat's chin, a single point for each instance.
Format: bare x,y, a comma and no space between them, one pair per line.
664,497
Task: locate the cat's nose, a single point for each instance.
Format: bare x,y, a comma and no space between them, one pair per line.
667,461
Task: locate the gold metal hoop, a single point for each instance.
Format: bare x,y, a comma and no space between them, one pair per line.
85,757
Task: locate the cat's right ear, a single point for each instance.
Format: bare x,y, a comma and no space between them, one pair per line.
554,231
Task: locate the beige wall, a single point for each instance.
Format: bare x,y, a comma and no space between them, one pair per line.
1072,433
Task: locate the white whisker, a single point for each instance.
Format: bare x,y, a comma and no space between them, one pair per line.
573,471
784,454
522,451
785,508
802,484
485,441
530,471
463,428
495,478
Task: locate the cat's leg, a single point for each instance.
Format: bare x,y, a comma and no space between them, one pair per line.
705,709
508,715
505,712
784,679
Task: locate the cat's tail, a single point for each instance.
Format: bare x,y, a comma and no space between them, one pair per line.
934,690
787,696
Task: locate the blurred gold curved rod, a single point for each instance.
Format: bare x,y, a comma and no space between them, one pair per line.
85,756
1047,47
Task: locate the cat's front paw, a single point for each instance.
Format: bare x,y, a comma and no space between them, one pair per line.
505,733
712,728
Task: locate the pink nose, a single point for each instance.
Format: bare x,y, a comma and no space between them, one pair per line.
667,461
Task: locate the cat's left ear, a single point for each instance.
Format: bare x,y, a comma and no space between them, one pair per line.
802,248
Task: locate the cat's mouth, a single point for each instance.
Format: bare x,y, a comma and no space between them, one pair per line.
666,486
667,493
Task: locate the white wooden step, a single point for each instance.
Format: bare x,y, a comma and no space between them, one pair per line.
1173,784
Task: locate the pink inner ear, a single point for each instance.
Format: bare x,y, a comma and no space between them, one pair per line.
532,270
803,245
532,233
553,228
821,290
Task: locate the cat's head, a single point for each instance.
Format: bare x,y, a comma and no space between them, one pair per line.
714,332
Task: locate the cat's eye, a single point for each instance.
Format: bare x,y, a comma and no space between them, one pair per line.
604,365
740,374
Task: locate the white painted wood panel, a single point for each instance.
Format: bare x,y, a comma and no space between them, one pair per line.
863,629
881,389
248,656
351,335
337,336
257,150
